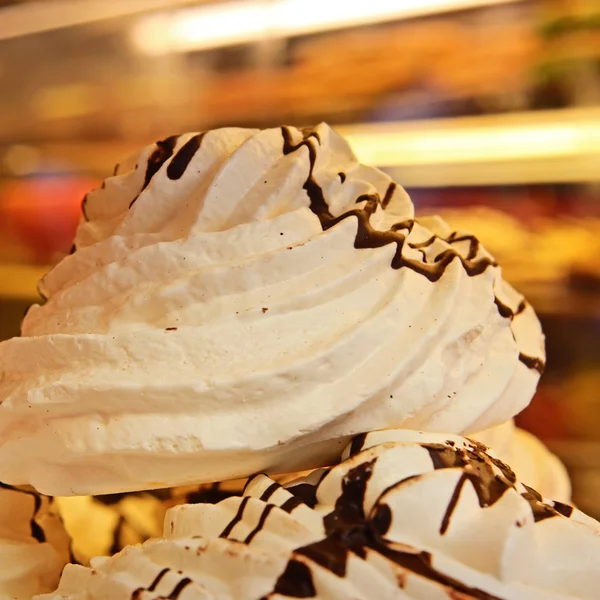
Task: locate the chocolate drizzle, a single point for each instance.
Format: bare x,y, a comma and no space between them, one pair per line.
296,581
540,509
564,509
291,503
178,589
306,492
270,491
350,531
369,237
389,194
357,443
181,160
238,517
490,478
532,362
452,504
157,159
37,533
139,591
260,524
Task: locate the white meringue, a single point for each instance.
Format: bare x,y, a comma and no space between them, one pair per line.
244,301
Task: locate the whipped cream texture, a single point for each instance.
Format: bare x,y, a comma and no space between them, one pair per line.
34,546
242,301
405,515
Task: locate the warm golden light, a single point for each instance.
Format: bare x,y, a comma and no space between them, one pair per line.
241,22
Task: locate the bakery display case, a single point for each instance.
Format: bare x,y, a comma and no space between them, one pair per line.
487,112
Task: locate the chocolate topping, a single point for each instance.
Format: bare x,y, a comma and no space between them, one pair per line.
369,237
348,530
537,364
238,517
137,594
177,589
181,160
260,524
357,444
296,581
37,533
157,159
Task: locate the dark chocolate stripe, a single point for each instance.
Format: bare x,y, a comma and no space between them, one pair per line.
420,563
564,509
369,237
331,553
342,177
296,581
389,194
238,517
539,508
504,310
260,524
269,491
36,530
522,306
381,519
452,504
428,242
178,589
83,209
531,362
291,503
306,492
357,443
474,243
157,159
139,591
182,159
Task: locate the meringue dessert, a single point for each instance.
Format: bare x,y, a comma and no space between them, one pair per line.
405,514
104,525
34,546
244,301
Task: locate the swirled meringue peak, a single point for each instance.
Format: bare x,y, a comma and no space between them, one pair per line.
34,546
242,301
405,515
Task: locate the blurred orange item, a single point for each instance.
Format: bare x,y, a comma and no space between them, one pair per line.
42,213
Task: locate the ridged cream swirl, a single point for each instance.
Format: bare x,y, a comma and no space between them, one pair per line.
405,515
34,546
246,300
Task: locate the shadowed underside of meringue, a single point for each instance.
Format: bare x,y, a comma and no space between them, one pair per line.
404,515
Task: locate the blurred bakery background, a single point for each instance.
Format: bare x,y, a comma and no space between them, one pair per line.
487,111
